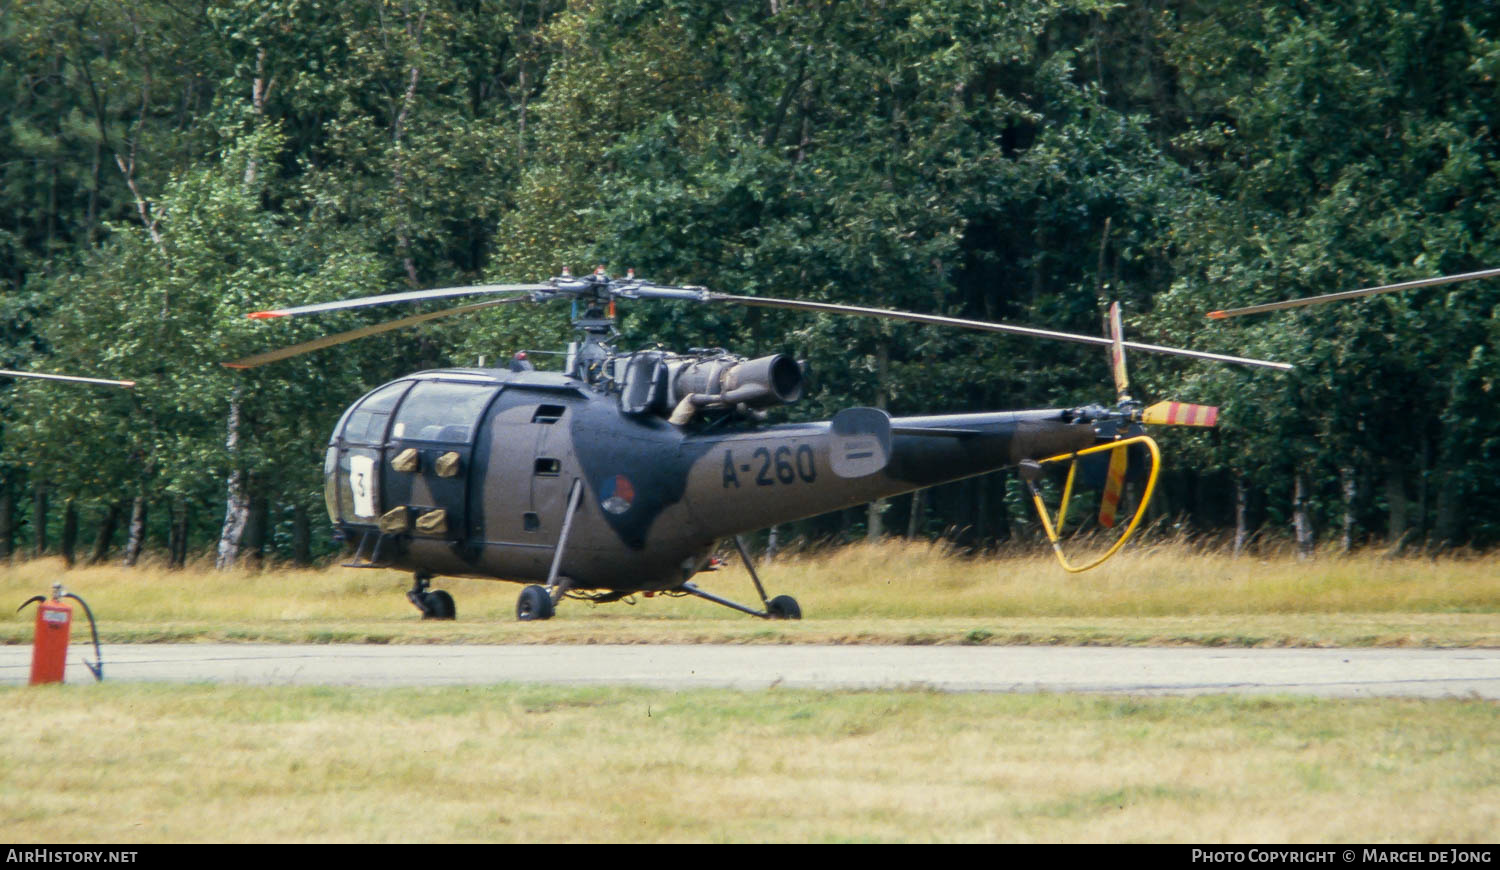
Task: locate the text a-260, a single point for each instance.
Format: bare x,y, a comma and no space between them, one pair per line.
767,466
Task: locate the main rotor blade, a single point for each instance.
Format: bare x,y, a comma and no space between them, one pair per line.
762,302
72,379
389,298
261,359
1352,294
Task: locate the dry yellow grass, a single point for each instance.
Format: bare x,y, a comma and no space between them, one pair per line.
235,764
891,593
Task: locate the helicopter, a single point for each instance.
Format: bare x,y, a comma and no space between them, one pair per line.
624,472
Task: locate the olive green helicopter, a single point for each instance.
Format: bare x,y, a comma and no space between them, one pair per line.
623,473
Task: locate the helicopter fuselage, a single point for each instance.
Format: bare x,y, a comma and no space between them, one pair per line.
469,472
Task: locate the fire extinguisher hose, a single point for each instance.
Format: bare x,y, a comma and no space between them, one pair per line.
97,666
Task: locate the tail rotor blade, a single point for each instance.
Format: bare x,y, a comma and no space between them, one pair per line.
1114,487
1180,414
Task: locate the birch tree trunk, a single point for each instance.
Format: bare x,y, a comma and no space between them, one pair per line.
237,500
237,503
1241,514
135,539
1302,517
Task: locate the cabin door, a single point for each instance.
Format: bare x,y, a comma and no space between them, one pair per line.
429,459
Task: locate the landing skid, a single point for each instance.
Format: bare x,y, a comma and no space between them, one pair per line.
780,607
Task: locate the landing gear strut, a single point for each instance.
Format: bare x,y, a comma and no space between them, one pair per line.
539,602
780,607
434,604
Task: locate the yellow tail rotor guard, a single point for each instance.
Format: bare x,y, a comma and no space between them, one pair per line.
1054,529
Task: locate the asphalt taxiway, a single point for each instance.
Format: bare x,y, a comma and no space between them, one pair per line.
1348,673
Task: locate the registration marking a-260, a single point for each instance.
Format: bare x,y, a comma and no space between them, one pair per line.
766,466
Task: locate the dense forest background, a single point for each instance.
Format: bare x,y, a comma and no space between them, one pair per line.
168,165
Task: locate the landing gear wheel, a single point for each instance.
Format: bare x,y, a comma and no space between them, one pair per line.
534,603
439,605
783,607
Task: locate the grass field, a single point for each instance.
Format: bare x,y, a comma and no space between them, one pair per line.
165,763
893,593
143,763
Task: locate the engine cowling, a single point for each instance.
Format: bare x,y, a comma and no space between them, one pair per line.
728,381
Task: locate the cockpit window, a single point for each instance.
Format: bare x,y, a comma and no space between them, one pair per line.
438,411
366,422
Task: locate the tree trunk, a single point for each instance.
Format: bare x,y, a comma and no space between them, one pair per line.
237,500
39,520
914,521
106,534
1350,487
874,520
1302,517
137,535
1396,507
302,536
963,527
1422,520
982,510
1017,520
770,545
7,520
1448,510
1241,514
1001,507
70,533
256,528
177,542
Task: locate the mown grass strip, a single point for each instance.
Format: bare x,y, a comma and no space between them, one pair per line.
142,763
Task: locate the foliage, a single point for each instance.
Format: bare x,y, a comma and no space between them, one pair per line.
168,166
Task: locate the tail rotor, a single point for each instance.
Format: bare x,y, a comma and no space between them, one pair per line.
1124,453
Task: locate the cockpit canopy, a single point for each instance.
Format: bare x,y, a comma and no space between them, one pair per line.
427,410
443,412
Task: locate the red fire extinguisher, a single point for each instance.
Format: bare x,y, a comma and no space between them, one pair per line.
54,624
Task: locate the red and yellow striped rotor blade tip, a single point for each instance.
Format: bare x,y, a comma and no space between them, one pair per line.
1180,414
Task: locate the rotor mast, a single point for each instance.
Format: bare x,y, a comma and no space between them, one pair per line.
595,325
